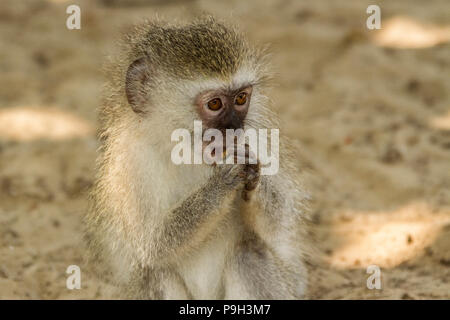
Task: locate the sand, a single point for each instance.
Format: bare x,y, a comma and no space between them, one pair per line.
369,111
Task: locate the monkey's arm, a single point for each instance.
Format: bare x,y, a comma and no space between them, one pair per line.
189,222
274,210
272,219
272,203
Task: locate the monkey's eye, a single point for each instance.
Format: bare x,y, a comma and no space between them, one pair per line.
241,98
215,104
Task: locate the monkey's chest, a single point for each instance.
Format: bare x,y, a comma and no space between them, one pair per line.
203,271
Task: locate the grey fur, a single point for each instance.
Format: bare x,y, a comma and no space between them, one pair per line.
152,228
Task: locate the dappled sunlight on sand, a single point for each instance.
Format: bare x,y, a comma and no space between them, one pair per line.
386,239
441,122
404,32
32,123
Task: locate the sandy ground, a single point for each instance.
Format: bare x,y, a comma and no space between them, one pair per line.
370,111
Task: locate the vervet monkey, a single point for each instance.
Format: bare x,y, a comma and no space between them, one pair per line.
167,231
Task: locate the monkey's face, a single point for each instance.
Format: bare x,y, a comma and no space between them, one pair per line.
224,108
164,101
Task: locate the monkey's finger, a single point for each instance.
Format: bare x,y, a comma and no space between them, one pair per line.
250,155
253,170
245,195
252,181
254,166
251,185
246,157
239,159
252,176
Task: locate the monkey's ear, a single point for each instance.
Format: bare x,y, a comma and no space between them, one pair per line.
137,76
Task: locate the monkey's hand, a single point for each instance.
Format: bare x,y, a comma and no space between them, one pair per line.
251,172
240,176
232,175
235,174
243,174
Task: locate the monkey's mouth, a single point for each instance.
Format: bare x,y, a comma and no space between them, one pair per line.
223,155
222,144
223,148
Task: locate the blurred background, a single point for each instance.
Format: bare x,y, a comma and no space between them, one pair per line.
369,111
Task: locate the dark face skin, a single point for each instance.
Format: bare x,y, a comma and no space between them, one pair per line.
224,109
227,109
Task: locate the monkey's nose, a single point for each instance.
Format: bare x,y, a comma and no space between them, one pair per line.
233,121
235,125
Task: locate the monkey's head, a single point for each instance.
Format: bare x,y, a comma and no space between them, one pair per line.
203,71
